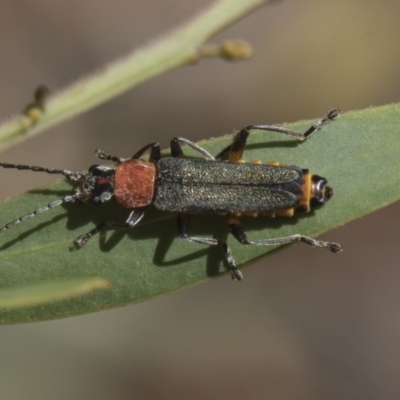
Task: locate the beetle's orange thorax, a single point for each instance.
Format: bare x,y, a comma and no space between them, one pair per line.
134,183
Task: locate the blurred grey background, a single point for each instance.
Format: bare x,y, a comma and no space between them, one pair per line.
304,324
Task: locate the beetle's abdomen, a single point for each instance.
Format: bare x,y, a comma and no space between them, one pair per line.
203,187
134,183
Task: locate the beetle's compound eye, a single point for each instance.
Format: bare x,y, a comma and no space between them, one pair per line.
320,192
98,187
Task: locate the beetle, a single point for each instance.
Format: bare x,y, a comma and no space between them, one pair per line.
223,184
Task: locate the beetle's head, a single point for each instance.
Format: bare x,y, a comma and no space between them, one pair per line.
97,186
320,193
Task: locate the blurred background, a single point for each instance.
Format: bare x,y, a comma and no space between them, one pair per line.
303,324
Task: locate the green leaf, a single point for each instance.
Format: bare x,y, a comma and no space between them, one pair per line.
358,154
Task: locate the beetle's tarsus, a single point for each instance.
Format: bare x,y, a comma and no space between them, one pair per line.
333,113
335,247
236,274
80,241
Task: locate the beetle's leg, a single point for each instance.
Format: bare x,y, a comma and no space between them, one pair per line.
71,176
176,150
134,217
332,114
183,225
155,154
234,151
238,232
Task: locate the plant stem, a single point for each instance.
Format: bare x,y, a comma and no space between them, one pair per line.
174,49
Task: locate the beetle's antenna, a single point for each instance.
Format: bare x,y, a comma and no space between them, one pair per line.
71,176
105,156
66,199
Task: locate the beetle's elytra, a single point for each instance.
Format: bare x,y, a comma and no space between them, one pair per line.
208,185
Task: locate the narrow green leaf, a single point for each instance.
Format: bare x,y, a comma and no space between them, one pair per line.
358,154
40,293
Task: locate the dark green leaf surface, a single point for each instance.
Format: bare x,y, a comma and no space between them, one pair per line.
358,154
